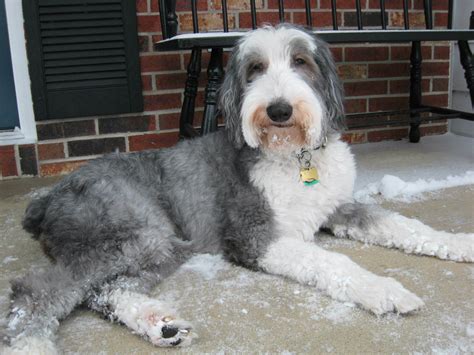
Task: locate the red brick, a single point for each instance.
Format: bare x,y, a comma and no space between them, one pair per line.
440,100
142,5
403,86
7,161
359,54
144,43
440,19
147,82
152,141
416,19
403,53
440,84
390,134
354,137
434,130
50,151
389,4
336,53
352,71
237,4
185,5
436,4
355,105
441,52
387,103
161,102
388,70
169,121
149,23
341,4
207,21
53,169
319,18
245,20
204,60
438,69
170,81
362,88
154,6
291,4
152,63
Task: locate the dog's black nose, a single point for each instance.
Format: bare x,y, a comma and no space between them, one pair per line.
279,111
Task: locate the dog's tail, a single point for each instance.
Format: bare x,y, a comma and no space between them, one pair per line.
34,215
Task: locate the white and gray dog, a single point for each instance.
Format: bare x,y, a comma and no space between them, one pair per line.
257,192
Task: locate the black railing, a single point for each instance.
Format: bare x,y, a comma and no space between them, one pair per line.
169,22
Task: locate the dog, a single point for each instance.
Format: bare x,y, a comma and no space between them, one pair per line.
257,192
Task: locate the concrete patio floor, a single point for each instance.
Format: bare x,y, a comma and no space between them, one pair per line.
238,311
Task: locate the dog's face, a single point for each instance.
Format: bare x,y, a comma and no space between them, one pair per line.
281,90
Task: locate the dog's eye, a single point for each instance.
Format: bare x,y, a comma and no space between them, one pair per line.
300,61
256,68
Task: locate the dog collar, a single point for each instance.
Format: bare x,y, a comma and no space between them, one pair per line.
309,174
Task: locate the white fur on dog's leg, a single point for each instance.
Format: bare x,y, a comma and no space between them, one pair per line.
422,239
31,346
338,276
152,319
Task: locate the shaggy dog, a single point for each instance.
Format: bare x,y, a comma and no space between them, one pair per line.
257,192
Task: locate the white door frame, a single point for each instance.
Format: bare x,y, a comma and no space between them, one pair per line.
26,133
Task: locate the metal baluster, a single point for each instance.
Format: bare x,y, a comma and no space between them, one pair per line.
334,14
382,14
405,14
281,11
190,91
415,90
309,20
215,72
450,14
359,15
428,14
171,18
253,11
162,7
195,16
225,18
467,61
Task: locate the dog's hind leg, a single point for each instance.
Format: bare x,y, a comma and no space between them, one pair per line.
372,224
39,300
126,300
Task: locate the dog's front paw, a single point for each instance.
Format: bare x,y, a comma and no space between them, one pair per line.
382,295
169,332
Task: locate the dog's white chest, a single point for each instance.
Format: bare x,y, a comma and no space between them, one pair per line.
299,209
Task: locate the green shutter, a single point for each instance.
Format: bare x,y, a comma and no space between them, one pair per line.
83,57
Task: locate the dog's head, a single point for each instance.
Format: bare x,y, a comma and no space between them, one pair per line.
281,90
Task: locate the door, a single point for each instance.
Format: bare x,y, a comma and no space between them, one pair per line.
8,105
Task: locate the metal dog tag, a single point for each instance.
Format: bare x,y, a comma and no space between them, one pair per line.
309,176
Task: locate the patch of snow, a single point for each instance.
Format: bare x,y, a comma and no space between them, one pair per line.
9,259
433,157
393,188
206,265
39,192
338,312
470,329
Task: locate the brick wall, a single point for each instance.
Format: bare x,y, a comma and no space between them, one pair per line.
376,77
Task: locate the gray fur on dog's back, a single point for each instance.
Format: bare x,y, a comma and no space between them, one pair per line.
111,199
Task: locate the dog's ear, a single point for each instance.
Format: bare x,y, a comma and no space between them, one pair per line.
332,93
230,96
